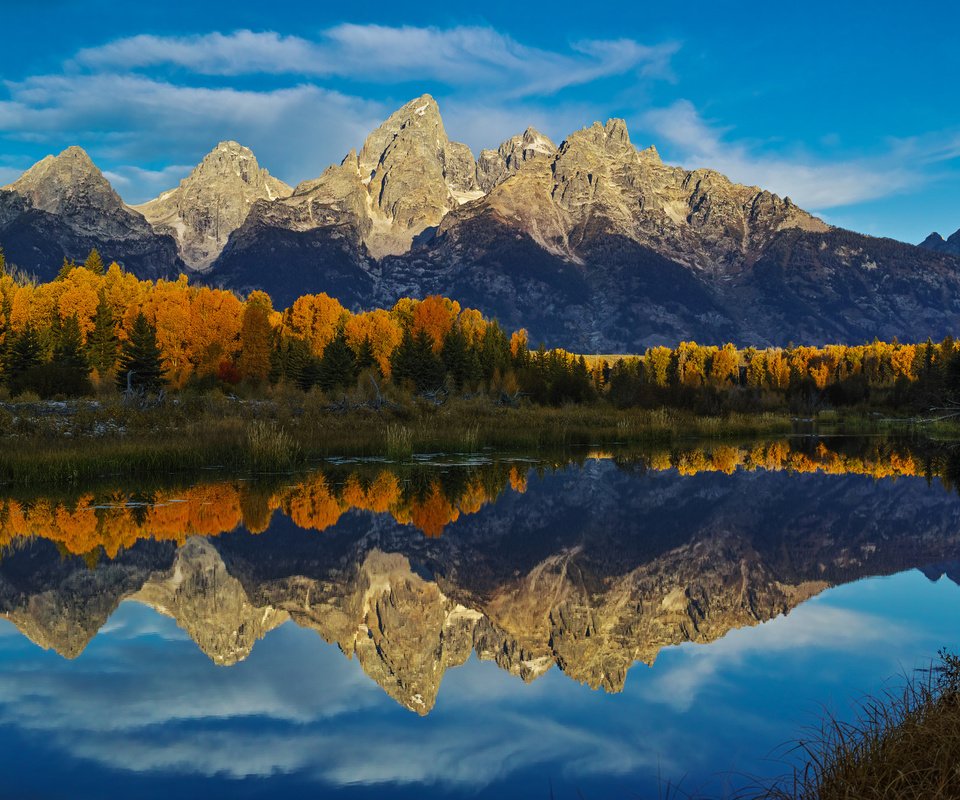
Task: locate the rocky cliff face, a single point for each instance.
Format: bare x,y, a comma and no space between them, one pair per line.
63,206
208,604
495,166
936,243
594,245
598,184
407,176
212,202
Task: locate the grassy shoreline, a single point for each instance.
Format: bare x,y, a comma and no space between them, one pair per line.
69,442
904,744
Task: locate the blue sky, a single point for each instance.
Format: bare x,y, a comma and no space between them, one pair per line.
849,108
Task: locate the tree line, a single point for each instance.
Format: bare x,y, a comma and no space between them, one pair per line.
97,326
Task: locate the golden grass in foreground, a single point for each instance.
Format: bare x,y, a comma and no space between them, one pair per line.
905,745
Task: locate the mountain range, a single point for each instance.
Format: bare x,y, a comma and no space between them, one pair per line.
592,244
589,571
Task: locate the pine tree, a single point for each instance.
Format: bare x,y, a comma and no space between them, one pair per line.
26,351
69,366
338,367
102,342
494,351
297,364
94,262
68,265
140,359
402,360
428,368
24,356
366,358
455,357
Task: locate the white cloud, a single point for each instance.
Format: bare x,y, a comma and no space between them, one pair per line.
811,183
9,175
295,131
138,184
813,625
457,56
140,102
314,708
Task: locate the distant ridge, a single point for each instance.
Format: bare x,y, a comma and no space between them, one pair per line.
593,244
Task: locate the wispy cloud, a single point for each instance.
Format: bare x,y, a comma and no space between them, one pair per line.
457,56
172,710
130,120
812,183
9,175
815,625
143,103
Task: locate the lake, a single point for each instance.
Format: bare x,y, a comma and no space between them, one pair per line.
597,624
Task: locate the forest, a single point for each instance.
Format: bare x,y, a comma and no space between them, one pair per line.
97,329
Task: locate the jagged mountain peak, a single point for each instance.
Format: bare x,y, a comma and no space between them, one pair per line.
406,177
418,119
611,136
949,246
495,166
212,202
64,183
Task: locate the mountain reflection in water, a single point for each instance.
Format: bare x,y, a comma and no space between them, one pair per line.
590,566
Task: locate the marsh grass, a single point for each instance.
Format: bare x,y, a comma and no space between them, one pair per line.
270,447
398,442
46,445
903,745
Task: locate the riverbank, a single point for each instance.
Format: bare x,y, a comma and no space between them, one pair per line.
904,745
51,443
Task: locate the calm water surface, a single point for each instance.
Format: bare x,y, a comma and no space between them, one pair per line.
483,628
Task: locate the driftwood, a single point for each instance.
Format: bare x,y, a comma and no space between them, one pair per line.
949,411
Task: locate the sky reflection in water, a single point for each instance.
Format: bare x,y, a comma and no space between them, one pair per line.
143,712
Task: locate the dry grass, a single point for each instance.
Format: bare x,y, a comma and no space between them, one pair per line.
44,445
904,745
399,442
270,447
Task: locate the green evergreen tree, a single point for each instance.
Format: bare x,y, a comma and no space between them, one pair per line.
69,370
24,356
65,268
102,342
338,367
402,360
140,365
297,365
94,262
456,357
365,357
494,351
26,351
428,368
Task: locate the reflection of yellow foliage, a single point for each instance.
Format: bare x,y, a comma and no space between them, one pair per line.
434,513
114,522
778,456
312,506
518,480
